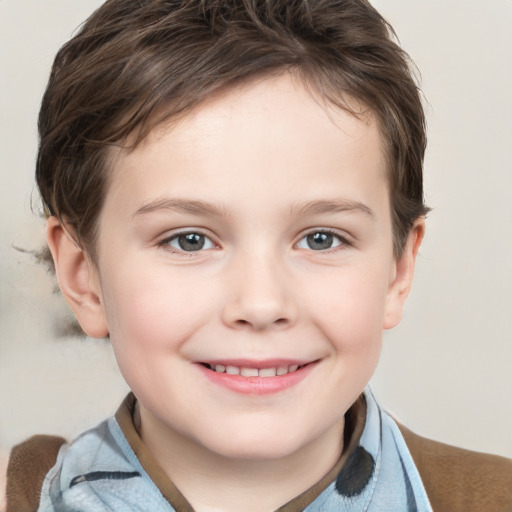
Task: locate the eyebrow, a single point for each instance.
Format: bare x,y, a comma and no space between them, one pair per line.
181,206
194,207
333,206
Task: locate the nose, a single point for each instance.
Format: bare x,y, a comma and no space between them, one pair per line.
260,295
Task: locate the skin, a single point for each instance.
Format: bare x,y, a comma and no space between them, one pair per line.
274,165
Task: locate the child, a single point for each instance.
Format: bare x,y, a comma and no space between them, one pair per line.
234,196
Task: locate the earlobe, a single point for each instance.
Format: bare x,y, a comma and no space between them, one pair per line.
402,276
77,279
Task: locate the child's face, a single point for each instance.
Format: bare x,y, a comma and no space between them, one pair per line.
256,234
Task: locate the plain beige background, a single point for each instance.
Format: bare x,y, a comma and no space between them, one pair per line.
445,372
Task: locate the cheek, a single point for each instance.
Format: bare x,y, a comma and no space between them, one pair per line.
151,317
154,310
349,307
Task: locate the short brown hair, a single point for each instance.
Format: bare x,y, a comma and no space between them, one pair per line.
137,63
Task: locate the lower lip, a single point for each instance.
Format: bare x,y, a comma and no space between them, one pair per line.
257,385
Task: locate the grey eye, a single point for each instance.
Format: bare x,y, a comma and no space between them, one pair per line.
190,242
319,241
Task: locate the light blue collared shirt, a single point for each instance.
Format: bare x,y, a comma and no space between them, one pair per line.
99,472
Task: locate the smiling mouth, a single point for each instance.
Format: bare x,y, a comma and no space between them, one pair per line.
276,371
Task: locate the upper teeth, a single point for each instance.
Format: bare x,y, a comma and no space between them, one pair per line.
254,372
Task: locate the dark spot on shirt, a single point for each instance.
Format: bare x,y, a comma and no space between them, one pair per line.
356,473
103,475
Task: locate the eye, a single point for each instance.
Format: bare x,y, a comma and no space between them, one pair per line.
320,241
188,242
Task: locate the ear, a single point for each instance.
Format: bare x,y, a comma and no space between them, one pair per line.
78,279
402,274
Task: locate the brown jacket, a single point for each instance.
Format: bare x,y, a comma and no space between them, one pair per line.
456,480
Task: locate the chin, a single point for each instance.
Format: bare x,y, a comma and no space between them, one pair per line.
263,451
261,444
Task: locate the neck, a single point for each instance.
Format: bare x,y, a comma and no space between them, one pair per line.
212,482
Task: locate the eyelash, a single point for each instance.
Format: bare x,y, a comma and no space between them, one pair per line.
166,243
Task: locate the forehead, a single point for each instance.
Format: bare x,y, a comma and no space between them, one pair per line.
269,134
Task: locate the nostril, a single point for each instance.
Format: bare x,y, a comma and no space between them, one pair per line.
280,322
258,314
